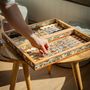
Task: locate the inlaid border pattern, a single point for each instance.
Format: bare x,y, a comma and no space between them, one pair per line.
60,57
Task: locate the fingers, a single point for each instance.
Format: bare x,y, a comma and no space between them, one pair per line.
41,52
46,45
44,49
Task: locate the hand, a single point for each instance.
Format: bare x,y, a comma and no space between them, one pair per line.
40,43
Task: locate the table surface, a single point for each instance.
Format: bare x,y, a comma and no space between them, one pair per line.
6,51
77,58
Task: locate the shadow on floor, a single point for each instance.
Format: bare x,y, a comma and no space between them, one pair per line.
57,72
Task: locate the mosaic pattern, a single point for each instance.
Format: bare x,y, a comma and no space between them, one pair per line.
21,40
61,24
55,37
57,46
82,36
62,56
49,29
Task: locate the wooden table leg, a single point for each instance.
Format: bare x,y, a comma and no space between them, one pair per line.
14,75
77,75
49,68
27,75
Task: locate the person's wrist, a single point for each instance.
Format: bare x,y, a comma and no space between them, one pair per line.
33,36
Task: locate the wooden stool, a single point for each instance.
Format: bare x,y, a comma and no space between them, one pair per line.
7,55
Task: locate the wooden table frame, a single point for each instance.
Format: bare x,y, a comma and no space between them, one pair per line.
74,61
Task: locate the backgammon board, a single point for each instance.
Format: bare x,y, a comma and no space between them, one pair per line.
64,41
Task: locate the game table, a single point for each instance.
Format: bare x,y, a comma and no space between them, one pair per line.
75,55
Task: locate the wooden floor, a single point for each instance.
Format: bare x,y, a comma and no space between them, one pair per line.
60,79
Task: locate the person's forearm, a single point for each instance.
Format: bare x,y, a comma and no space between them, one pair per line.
15,18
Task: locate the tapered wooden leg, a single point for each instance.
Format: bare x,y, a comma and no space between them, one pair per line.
27,76
14,75
49,68
77,75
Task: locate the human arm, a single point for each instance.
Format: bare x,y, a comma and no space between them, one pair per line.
14,17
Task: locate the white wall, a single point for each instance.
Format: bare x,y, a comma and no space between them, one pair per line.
67,11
